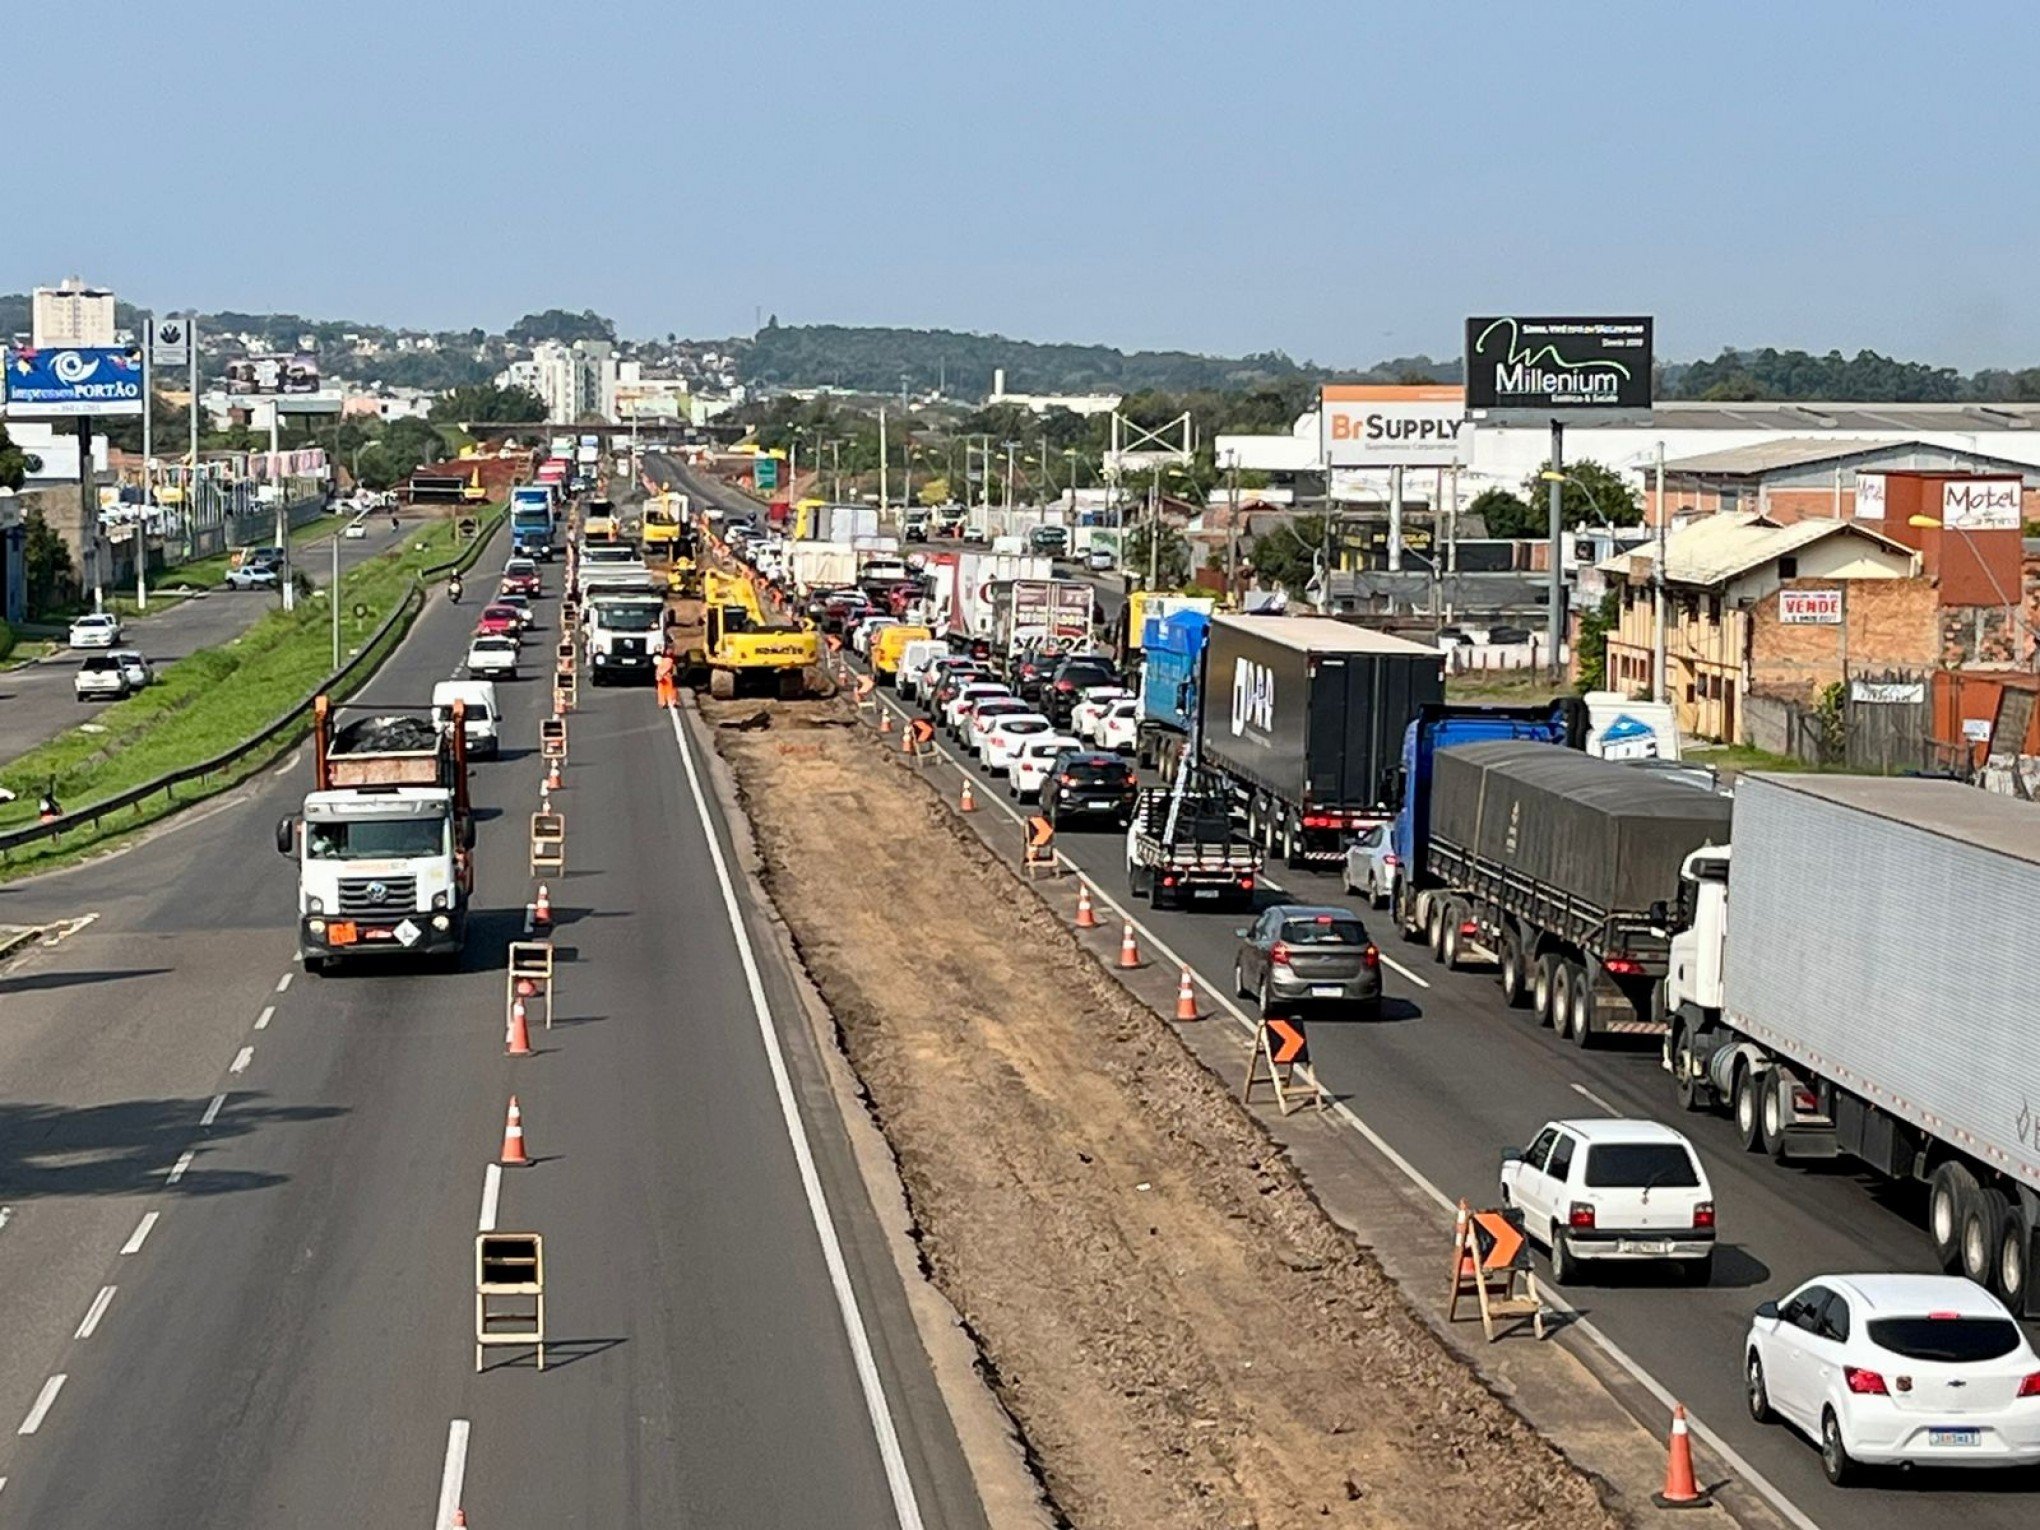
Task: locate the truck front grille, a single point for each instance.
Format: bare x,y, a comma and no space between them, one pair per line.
378,895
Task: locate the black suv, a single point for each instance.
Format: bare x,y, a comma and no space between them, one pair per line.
1086,785
1068,681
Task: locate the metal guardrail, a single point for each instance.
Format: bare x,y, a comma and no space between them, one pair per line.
337,683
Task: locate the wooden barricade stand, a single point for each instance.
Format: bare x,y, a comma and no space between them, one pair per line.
509,1291
565,690
570,619
1283,1050
865,686
548,842
916,741
1037,851
563,657
1491,1265
530,975
552,738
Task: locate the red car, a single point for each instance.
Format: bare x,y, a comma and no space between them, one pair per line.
521,582
499,619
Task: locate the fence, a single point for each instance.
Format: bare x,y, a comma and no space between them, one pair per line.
1876,724
225,768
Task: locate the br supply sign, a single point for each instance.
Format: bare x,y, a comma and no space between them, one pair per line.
1367,426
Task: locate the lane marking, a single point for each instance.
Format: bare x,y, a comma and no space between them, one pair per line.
1582,1089
284,982
262,1020
6,1216
1390,962
492,1192
95,1312
177,1169
141,1233
1729,1455
906,1506
241,1060
43,1399
212,1111
284,769
453,1475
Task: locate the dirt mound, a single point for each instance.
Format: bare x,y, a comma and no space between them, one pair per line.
1182,1335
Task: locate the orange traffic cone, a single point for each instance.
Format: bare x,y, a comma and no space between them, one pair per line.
513,1137
1087,918
460,1519
518,1044
541,910
1681,1490
1129,952
884,720
1186,998
966,803
552,776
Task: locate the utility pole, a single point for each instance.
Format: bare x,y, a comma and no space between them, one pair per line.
88,511
141,521
1009,445
881,462
1554,626
1232,525
191,478
1395,519
1658,677
1154,526
333,600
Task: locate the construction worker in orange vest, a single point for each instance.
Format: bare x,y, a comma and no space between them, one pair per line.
663,668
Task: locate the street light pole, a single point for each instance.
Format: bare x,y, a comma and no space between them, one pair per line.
333,600
1554,626
1658,677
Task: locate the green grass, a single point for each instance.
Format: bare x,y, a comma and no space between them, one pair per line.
204,705
1736,759
1505,685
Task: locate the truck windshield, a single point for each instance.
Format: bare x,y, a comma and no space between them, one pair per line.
375,839
637,618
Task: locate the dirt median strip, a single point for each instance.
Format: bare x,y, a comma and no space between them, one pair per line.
1181,1333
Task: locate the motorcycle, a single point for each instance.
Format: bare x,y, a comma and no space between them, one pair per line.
453,590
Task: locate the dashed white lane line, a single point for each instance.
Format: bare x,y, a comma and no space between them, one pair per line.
262,1020
1395,966
6,1216
241,1060
43,1399
283,982
177,1169
453,1475
492,1192
95,1312
212,1111
141,1233
1582,1089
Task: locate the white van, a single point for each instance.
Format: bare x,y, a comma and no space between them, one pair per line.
484,719
914,659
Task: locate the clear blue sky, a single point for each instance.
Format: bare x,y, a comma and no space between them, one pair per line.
1341,181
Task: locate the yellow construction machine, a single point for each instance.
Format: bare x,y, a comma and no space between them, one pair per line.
745,652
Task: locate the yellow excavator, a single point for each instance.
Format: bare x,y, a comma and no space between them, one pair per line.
743,651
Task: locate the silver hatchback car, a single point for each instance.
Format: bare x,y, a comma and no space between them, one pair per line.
1300,954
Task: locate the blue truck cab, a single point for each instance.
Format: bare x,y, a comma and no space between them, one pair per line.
532,521
1172,668
1440,726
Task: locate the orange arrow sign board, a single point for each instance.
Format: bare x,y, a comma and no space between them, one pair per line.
1504,1240
1289,1044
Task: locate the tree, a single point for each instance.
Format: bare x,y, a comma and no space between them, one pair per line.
1595,626
1507,515
1172,554
1287,553
559,324
1591,493
15,464
488,404
46,563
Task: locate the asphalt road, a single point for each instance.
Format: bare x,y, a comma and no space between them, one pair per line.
37,701
1450,1077
290,1339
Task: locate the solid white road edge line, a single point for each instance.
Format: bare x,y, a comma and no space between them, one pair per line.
95,1312
905,1504
141,1233
43,1399
453,1475
492,1193
1763,1485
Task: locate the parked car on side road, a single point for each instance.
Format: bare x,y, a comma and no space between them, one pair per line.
98,629
100,678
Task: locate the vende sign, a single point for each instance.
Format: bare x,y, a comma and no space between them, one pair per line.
1981,504
1366,426
1810,608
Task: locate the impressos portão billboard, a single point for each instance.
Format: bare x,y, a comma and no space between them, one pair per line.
1361,425
73,380
1558,368
269,375
1981,504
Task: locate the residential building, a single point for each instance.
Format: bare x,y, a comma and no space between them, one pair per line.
72,313
1796,477
574,380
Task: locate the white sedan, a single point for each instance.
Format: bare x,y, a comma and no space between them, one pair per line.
1119,728
1003,736
1913,1370
493,655
971,730
1033,762
1091,708
99,629
969,696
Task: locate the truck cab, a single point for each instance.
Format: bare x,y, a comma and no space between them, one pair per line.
623,635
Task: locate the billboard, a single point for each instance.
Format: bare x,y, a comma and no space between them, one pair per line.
1870,496
1558,368
1981,504
263,375
1366,426
1810,608
71,380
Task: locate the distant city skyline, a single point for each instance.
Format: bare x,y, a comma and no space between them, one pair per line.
1342,183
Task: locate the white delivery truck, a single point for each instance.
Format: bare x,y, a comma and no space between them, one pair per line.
816,565
623,633
1868,989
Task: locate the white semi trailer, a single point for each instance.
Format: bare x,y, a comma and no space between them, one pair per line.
1855,974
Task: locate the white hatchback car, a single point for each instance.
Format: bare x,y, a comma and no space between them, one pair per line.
1609,1189
1926,1370
971,727
493,655
969,696
98,629
1091,707
1119,729
1033,762
100,678
1369,870
1003,737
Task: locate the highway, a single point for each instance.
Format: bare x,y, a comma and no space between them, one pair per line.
238,1202
38,698
1449,1078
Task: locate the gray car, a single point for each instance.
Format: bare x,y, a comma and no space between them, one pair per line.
1299,954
